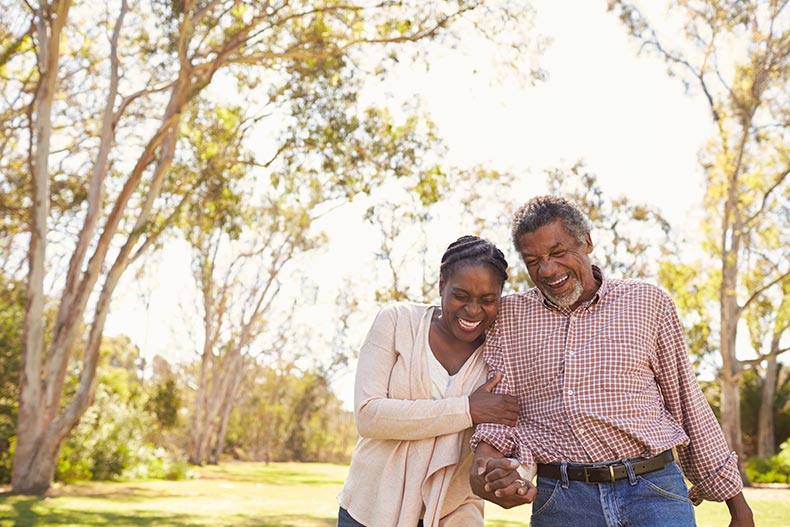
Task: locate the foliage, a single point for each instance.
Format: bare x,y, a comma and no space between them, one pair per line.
114,438
751,390
95,107
404,214
630,238
288,415
12,305
164,403
736,55
775,469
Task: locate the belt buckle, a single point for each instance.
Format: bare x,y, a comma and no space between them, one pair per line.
611,475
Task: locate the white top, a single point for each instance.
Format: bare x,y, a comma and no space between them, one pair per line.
440,378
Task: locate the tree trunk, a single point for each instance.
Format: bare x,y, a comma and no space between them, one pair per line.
35,459
196,423
765,419
730,314
227,408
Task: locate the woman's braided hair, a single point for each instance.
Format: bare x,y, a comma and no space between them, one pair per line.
469,250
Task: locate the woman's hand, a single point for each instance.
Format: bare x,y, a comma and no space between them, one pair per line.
497,408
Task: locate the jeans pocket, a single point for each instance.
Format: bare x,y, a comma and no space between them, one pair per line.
667,482
547,491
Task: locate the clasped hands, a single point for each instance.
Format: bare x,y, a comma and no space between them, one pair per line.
497,479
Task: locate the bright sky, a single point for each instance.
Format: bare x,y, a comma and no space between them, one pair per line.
620,113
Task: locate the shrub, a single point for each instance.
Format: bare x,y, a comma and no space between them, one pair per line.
110,443
774,469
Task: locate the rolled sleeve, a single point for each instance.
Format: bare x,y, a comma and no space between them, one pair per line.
721,485
498,436
705,458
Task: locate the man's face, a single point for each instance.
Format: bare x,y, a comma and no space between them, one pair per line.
559,264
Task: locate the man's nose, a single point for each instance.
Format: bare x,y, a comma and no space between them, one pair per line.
546,266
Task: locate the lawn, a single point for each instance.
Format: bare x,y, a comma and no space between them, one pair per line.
258,495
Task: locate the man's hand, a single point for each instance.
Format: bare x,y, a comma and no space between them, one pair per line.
497,408
740,511
495,478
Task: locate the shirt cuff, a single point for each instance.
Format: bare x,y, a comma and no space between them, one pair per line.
496,439
721,485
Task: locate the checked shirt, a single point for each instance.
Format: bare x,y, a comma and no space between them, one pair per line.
609,380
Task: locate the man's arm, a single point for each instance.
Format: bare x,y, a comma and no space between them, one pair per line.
495,478
740,511
706,461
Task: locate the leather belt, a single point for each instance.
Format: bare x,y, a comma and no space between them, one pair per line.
607,473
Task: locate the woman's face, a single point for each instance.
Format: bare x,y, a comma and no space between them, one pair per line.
470,300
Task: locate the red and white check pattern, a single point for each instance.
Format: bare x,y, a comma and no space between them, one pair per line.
609,380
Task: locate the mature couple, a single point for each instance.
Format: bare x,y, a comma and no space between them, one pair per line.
583,378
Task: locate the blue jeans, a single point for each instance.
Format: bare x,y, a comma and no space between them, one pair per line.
655,499
344,519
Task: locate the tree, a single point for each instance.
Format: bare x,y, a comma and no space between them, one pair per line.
237,270
768,321
97,99
631,237
12,308
737,56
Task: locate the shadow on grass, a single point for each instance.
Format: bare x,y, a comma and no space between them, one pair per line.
126,493
25,517
291,521
24,512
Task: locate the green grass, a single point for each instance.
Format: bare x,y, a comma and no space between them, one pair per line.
258,495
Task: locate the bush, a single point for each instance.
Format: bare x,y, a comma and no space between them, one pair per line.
72,466
774,469
110,443
7,460
157,463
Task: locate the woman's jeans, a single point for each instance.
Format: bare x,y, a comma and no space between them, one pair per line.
344,519
655,499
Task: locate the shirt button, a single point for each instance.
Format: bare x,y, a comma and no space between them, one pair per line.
571,353
570,392
581,431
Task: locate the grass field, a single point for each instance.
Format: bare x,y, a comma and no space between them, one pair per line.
257,495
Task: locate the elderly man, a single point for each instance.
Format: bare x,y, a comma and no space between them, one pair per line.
610,409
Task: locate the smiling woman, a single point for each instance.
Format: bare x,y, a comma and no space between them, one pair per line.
420,386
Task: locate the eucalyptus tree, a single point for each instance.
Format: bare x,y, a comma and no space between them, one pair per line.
768,323
737,56
96,94
631,238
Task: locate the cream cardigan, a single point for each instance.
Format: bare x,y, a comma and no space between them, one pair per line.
413,457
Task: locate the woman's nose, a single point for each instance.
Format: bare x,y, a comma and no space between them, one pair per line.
473,308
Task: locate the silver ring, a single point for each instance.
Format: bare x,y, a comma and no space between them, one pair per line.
521,482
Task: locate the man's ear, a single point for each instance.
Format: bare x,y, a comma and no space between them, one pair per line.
588,244
441,286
